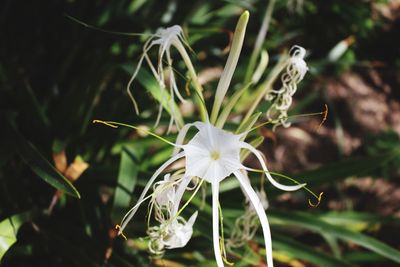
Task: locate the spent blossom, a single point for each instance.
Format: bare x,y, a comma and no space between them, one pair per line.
295,71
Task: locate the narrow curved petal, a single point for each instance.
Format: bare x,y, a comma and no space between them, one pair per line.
179,193
215,220
182,134
180,233
128,216
261,214
172,80
272,180
146,48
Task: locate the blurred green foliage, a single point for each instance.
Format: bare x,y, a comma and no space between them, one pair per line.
56,76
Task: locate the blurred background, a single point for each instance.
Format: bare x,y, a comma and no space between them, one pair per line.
57,75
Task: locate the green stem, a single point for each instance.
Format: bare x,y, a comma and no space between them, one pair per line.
114,124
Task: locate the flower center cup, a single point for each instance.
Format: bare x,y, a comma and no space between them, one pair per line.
215,155
212,154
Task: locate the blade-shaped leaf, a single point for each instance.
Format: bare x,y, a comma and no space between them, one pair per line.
313,223
127,177
8,229
300,251
343,169
34,159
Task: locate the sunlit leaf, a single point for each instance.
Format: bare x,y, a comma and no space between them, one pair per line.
8,230
127,176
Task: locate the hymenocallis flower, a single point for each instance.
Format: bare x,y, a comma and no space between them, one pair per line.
211,155
166,38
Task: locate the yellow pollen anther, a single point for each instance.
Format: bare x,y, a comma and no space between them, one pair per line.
221,244
319,200
215,155
325,113
118,227
105,123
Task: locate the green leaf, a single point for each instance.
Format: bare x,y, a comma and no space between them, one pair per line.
127,178
34,159
162,96
300,251
343,169
8,230
313,223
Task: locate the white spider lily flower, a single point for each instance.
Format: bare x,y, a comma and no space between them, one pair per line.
174,231
164,38
214,154
295,71
171,234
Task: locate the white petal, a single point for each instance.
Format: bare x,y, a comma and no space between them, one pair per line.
191,220
165,192
272,180
180,234
212,154
179,194
182,134
128,216
215,220
261,214
146,48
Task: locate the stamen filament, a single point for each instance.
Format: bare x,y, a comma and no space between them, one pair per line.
190,199
289,117
114,124
325,113
222,240
296,182
118,227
